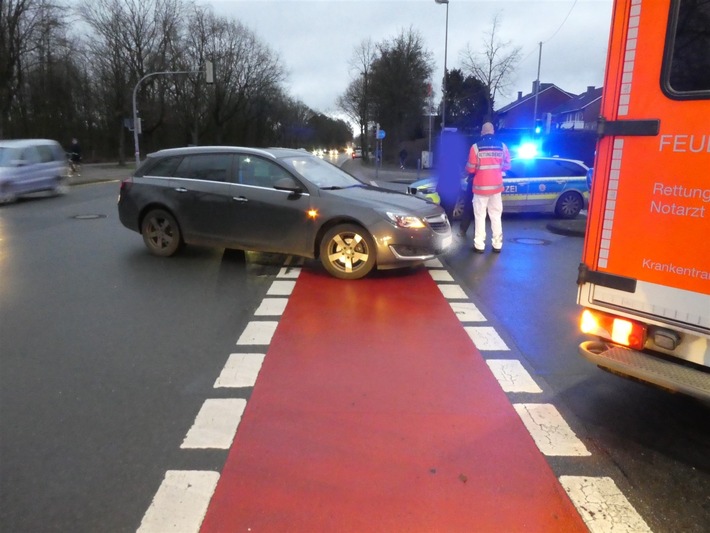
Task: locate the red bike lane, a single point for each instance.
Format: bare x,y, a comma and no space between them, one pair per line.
374,411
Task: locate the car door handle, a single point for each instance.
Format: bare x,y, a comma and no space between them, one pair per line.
239,199
180,189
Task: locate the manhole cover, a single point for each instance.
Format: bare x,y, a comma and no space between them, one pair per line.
527,240
88,217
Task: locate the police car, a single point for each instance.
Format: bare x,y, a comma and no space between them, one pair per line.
532,185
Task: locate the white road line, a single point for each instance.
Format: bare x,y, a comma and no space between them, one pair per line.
467,312
441,275
602,505
512,376
486,338
216,424
452,292
181,502
433,263
258,333
549,430
281,288
271,307
241,370
289,272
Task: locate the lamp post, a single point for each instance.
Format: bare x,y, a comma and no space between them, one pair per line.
446,44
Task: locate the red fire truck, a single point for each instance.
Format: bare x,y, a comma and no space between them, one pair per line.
644,280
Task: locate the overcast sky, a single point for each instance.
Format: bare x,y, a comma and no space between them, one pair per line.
316,39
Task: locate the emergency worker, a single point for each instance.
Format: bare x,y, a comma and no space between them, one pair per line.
487,160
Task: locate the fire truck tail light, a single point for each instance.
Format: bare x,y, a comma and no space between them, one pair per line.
616,329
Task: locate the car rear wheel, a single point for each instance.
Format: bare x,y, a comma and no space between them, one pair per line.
347,252
161,233
569,205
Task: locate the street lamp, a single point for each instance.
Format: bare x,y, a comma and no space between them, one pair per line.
446,44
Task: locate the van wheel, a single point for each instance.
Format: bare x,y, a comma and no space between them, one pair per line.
347,252
569,205
61,185
161,233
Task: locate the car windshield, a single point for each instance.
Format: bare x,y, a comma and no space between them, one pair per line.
7,155
321,173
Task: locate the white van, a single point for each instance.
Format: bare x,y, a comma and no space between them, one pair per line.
31,165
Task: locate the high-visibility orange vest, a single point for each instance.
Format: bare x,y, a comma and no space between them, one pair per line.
487,160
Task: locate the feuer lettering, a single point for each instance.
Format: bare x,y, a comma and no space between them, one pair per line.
683,143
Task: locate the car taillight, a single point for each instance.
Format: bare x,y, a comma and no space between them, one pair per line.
613,328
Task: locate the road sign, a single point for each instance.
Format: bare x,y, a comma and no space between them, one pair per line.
380,134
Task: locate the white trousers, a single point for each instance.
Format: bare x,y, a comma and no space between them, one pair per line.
493,206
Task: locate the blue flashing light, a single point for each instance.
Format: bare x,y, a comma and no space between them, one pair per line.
527,150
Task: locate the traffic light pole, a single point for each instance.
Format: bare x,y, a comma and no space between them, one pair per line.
209,78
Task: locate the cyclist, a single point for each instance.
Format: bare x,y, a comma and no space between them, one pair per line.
74,157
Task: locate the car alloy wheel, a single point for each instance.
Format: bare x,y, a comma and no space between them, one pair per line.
569,205
347,252
161,233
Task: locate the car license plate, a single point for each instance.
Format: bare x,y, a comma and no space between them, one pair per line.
447,241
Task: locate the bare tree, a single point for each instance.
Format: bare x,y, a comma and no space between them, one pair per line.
494,66
357,100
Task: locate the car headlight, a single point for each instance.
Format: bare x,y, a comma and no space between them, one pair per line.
406,221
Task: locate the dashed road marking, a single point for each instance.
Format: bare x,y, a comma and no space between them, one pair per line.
512,376
549,430
289,272
271,307
467,312
452,292
602,505
281,288
180,503
258,333
486,338
441,275
216,424
241,370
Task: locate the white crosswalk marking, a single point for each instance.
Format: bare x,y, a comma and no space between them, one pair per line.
512,376
281,288
271,307
440,275
289,272
486,338
602,505
180,503
467,312
241,370
452,292
549,430
216,424
259,333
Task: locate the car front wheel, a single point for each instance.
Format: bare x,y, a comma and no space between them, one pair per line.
347,252
569,205
161,233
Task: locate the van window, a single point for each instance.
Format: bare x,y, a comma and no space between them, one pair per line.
686,69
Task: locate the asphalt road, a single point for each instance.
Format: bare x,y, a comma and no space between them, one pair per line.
107,353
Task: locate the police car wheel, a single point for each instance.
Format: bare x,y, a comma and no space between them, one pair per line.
569,205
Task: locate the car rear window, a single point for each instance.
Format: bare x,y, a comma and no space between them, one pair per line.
164,167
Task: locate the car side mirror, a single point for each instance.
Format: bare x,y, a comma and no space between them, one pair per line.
288,184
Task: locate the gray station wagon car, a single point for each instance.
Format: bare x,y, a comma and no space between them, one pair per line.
31,165
278,200
533,185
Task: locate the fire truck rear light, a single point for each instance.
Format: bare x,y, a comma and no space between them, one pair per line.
615,329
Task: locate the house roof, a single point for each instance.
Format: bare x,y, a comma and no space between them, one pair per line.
544,87
580,102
